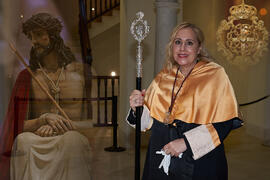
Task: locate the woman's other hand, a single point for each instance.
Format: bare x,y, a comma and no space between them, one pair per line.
136,99
176,147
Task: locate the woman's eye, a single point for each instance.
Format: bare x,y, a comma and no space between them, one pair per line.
177,42
189,43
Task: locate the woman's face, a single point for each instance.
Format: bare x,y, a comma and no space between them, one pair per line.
185,47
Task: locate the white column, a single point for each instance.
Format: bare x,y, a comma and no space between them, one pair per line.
166,19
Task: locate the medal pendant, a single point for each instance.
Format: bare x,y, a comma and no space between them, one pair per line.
167,117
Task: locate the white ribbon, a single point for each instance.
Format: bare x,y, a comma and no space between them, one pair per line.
165,163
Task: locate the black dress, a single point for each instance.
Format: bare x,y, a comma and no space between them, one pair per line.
212,166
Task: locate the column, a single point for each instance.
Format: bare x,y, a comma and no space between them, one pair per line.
166,19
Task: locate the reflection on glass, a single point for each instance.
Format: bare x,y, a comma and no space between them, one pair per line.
36,138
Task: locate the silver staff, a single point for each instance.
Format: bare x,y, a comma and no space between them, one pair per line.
139,29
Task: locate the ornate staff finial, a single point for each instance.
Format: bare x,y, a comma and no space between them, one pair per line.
139,29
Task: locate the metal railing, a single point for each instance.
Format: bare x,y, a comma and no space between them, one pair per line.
97,8
90,10
103,99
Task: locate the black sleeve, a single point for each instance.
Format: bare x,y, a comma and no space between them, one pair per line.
224,128
188,150
131,117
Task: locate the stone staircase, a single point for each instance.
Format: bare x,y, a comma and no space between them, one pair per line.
104,23
96,28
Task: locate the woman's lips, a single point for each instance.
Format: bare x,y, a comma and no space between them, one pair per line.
182,55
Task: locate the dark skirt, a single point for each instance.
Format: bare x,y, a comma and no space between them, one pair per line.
212,166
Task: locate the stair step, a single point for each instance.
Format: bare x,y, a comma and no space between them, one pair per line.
106,23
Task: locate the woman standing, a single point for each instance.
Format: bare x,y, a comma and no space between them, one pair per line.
190,108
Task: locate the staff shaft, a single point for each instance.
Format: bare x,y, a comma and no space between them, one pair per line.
138,133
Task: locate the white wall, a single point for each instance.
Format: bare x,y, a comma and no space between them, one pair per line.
105,51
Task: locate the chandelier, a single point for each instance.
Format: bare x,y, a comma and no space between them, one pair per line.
243,38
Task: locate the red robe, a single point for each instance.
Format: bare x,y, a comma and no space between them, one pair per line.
14,120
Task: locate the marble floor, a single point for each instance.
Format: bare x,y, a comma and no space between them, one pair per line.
247,157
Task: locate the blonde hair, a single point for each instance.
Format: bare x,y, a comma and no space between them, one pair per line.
169,61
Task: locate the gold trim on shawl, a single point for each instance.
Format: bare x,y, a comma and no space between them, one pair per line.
214,134
206,97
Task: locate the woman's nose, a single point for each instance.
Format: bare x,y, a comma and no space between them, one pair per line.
182,46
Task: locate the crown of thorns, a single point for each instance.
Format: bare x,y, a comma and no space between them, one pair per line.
45,21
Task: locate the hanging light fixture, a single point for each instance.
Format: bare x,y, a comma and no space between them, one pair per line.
243,38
